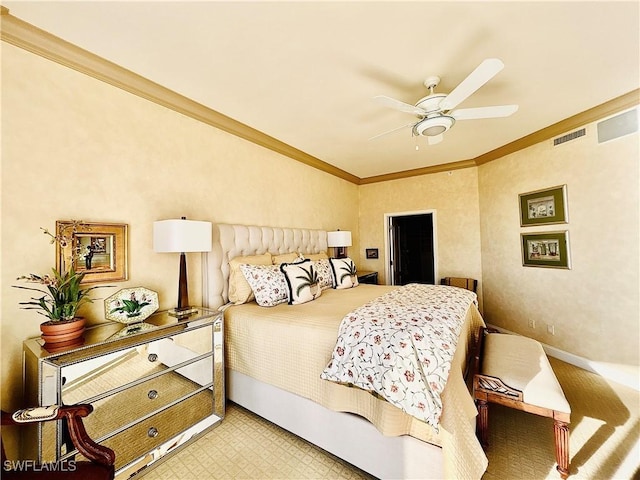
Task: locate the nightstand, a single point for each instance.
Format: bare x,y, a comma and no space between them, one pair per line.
367,277
154,386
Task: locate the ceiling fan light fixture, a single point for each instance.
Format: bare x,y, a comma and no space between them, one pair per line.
432,126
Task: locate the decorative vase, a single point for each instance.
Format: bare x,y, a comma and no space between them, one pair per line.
68,331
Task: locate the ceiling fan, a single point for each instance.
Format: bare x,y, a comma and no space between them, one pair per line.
436,112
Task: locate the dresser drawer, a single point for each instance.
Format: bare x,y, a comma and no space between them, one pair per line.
85,380
126,406
153,432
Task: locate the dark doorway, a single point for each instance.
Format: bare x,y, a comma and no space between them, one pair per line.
412,252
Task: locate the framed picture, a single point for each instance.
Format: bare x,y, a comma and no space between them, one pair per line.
372,253
544,207
97,249
547,249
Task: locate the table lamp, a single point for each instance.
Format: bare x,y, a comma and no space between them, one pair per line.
181,236
339,240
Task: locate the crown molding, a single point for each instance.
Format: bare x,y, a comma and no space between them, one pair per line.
28,37
35,40
618,104
445,167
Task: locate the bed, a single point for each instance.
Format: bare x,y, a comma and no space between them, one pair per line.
275,355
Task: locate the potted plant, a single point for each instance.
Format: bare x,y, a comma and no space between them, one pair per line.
61,295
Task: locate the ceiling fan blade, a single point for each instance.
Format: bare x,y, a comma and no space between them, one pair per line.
435,139
398,105
391,131
481,75
484,112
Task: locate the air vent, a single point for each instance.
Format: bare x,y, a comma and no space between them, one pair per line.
618,126
569,136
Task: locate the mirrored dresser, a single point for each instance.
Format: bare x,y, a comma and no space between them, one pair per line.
154,386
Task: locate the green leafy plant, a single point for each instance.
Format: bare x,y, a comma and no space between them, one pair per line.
309,279
62,294
132,307
349,268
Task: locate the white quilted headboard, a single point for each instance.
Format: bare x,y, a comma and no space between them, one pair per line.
230,241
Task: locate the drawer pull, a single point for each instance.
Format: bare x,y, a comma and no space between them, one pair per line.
153,432
152,357
153,394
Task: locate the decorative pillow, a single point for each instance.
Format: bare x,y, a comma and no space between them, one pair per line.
239,290
286,258
344,273
267,283
325,275
303,281
316,256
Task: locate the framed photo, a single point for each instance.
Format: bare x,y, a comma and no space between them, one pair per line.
547,249
544,207
372,253
97,249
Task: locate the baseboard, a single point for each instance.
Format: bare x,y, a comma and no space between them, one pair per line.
626,376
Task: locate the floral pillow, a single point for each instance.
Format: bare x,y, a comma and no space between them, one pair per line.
344,273
325,274
303,281
267,283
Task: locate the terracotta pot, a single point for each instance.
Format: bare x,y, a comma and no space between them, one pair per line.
62,331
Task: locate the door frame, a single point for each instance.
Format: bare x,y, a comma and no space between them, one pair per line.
388,271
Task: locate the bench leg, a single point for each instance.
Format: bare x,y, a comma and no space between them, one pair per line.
561,434
483,422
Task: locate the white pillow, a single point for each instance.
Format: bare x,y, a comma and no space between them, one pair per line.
267,283
344,273
303,281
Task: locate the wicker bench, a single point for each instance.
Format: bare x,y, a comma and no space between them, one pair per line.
514,371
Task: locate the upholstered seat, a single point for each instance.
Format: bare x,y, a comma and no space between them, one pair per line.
521,363
514,371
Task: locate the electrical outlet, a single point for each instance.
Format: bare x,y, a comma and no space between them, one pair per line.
532,323
551,330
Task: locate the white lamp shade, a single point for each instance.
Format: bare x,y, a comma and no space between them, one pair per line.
181,236
341,238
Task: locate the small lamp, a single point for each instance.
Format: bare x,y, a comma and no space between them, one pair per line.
180,236
339,240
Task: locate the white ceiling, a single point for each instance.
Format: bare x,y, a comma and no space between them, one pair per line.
306,72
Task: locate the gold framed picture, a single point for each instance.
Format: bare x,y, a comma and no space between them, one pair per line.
99,250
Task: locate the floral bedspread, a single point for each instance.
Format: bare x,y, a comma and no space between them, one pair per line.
400,346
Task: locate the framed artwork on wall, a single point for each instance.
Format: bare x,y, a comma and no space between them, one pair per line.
546,249
97,249
544,207
372,253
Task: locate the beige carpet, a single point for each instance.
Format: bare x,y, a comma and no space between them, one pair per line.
605,442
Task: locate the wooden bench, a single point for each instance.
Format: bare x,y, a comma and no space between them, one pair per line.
514,371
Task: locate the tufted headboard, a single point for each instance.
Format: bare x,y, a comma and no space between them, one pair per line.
230,241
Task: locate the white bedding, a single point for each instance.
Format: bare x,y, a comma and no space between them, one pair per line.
290,397
288,346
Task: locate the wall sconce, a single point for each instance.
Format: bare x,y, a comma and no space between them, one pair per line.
180,236
339,240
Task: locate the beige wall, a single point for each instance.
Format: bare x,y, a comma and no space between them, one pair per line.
76,148
594,306
454,198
